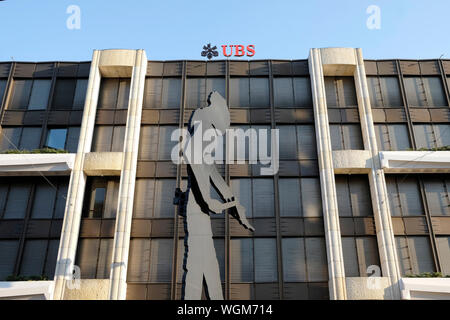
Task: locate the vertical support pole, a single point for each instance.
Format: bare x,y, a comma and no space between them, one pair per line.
75,194
328,188
383,221
119,267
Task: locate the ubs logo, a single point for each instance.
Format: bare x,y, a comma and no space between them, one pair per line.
236,50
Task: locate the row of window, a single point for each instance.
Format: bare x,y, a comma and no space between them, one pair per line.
248,92
29,138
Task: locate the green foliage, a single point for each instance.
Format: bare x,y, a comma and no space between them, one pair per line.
26,278
35,151
427,275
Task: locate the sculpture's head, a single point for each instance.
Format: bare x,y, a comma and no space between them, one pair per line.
217,112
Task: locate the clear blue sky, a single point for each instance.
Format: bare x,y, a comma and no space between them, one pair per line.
35,30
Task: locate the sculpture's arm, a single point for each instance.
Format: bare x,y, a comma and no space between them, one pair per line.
237,211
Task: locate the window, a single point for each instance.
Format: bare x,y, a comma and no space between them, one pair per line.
340,92
43,202
155,142
346,137
70,94
101,198
265,260
162,93
414,254
436,192
63,138
198,90
429,136
404,196
384,92
301,136
304,260
2,88
300,197
22,138
359,254
108,139
353,194
30,94
292,92
443,248
150,260
256,195
249,93
425,92
94,257
114,93
392,137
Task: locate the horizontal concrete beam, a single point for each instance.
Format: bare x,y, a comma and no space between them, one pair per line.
32,164
352,161
30,290
367,288
103,163
415,161
425,288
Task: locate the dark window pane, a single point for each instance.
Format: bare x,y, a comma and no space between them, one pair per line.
52,255
111,199
108,93
350,257
288,142
144,197
118,139
306,142
152,94
242,260
263,198
239,93
171,93
352,137
17,201
437,196
30,139
434,92
391,92
104,258
97,202
415,92
164,189
64,93
283,92
196,92
56,138
161,260
242,189
414,254
21,94
340,92
166,144
443,247
10,138
311,197
259,93
80,94
8,254
294,263
442,133
215,84
73,136
2,88
265,260
148,143
87,255
123,94
102,138
290,202
61,197
44,200
302,92
39,94
316,259
139,260
33,258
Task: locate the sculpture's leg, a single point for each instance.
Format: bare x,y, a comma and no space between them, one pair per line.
193,281
212,273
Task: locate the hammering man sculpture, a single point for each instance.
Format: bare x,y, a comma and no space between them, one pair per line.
195,205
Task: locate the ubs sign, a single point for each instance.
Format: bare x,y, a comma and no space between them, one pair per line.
236,50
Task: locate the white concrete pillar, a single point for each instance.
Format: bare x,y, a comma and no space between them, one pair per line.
118,284
327,182
383,221
74,204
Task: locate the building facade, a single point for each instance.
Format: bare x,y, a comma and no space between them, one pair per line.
360,201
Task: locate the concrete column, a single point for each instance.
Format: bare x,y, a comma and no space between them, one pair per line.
383,221
75,194
327,182
118,284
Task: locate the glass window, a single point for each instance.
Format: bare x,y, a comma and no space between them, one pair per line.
384,92
429,136
239,93
196,92
39,95
290,201
263,198
30,139
148,143
2,88
414,255
425,92
22,138
73,136
436,191
443,248
265,260
353,195
21,94
294,261
108,139
33,258
8,255
359,254
242,189
215,84
10,138
56,138
302,92
316,259
80,94
340,92
144,198
259,93
404,196
161,260
114,93
44,200
346,137
17,201
392,137
283,92
242,260
64,93
164,191
94,257
171,93
165,144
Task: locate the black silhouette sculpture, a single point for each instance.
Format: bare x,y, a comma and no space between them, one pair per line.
195,205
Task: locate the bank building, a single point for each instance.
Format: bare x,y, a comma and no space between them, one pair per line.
358,209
